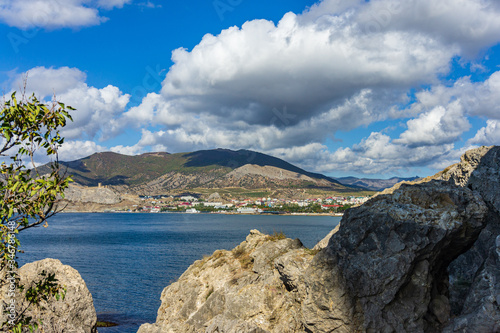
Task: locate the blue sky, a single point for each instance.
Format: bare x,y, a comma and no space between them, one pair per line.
342,87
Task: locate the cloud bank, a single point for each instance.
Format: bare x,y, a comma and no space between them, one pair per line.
290,88
340,65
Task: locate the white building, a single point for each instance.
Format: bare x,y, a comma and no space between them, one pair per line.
212,204
247,210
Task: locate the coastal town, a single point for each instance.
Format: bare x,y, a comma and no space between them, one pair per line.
265,205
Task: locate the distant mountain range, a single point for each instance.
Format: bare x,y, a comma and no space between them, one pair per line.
373,184
155,173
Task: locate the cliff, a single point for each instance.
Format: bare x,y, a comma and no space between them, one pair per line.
424,258
98,195
79,198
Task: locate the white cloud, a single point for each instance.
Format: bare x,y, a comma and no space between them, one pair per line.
489,135
477,98
471,25
441,125
69,151
245,73
97,110
127,150
300,153
73,150
377,154
324,67
48,81
53,14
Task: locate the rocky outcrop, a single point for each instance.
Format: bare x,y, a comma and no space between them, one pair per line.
98,195
422,258
252,288
475,275
255,176
73,314
385,269
324,242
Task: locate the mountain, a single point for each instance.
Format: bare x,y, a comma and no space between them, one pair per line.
155,173
373,184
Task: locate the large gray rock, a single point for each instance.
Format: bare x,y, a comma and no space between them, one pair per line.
385,269
74,314
475,275
324,242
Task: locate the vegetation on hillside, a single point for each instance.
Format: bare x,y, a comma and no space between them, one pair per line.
156,173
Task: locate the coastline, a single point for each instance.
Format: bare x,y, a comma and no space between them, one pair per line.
66,211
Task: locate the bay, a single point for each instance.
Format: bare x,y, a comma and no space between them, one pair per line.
127,259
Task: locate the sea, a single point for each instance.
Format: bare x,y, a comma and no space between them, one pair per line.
127,259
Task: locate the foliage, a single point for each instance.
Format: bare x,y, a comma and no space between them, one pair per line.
36,295
28,198
276,235
105,324
311,251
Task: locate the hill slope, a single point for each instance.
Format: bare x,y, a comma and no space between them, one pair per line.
373,184
153,173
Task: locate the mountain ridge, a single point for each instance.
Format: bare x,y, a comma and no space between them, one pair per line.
157,172
374,184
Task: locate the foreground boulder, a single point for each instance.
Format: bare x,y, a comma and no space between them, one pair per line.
421,258
74,314
252,288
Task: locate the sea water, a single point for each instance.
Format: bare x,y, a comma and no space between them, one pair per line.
126,259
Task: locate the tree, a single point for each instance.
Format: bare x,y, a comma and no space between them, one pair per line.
27,198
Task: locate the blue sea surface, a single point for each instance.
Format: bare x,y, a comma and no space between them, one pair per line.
127,259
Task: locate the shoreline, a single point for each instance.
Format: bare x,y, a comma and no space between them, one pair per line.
221,213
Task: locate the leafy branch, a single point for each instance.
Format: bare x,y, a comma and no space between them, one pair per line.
29,127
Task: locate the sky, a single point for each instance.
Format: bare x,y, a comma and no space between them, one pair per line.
373,89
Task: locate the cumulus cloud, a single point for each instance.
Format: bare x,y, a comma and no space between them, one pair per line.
476,98
376,154
48,81
73,150
97,110
69,151
286,88
438,126
311,69
470,25
128,150
488,135
309,66
54,14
